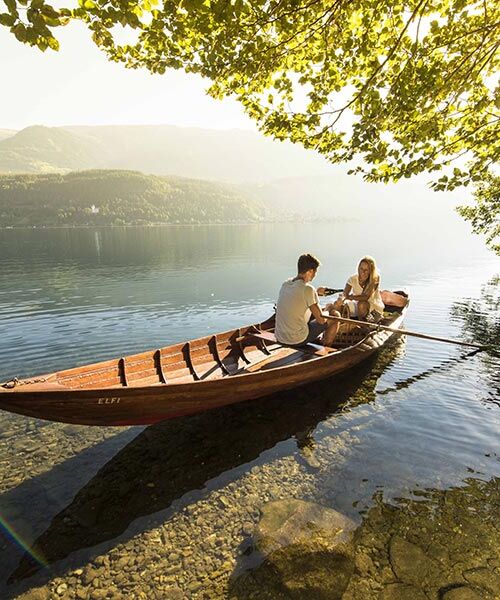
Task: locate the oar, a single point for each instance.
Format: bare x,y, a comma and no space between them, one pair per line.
406,332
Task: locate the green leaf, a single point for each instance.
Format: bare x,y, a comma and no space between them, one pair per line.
7,19
11,5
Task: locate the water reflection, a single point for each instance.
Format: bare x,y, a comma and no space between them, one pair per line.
439,368
480,317
480,321
169,460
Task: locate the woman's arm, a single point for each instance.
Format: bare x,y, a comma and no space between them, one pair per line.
349,296
365,296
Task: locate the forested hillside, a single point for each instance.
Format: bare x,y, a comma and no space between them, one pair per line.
119,198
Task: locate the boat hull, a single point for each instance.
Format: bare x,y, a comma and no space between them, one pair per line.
120,406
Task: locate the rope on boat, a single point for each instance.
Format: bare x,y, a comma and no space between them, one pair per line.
9,385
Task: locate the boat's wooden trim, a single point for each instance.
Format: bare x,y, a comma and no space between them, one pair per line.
189,361
215,350
122,371
239,346
159,366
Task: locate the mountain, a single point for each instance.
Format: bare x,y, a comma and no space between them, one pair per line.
218,155
287,180
120,198
6,133
40,149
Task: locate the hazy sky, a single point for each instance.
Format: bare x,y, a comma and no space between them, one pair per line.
79,86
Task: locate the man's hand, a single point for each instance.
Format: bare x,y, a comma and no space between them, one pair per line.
321,291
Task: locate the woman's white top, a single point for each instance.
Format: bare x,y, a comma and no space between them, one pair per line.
375,300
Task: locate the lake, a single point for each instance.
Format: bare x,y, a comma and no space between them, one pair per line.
406,446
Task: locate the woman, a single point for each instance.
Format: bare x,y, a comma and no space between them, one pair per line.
362,293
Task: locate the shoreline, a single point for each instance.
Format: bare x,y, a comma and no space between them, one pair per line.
333,220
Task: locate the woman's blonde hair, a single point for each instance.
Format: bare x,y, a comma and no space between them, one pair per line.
374,277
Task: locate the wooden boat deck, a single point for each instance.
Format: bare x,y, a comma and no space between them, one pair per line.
183,365
211,357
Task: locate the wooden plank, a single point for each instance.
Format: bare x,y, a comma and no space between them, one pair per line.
189,361
159,366
88,369
294,354
91,378
123,373
217,356
239,347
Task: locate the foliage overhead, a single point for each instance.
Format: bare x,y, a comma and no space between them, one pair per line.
395,87
484,215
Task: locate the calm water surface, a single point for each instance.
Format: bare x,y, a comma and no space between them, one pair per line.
421,416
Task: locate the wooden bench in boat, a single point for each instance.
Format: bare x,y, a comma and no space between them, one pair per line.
269,336
280,354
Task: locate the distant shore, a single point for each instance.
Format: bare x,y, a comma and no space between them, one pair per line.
222,224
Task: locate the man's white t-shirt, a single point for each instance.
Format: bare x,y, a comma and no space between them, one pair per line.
292,311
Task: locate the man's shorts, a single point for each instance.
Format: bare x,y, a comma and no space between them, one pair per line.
315,330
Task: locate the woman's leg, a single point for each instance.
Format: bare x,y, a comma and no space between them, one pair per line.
363,309
336,306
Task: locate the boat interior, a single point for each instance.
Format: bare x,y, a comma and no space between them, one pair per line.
246,350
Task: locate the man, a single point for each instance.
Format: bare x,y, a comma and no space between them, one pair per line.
298,299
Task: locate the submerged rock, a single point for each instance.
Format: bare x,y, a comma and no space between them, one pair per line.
409,562
402,591
461,593
483,578
308,550
287,522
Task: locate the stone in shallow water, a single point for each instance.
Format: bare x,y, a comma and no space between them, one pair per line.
173,593
409,563
402,591
484,578
287,522
461,593
308,550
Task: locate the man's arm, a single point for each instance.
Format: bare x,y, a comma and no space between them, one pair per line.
317,314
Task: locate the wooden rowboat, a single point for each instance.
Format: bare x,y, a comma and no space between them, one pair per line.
190,377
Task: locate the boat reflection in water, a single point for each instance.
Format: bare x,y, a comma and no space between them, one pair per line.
168,460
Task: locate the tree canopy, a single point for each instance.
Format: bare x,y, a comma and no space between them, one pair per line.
392,87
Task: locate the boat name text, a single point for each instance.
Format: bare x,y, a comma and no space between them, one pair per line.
113,400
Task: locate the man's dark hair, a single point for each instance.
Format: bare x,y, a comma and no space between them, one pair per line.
306,262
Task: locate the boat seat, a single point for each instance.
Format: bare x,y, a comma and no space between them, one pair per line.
280,358
269,336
